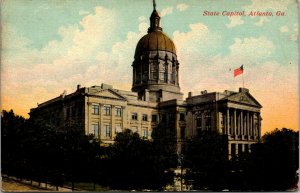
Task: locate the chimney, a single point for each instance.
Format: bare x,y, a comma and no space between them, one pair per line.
243,90
190,94
78,86
204,92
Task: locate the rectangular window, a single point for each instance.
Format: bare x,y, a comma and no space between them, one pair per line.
199,122
145,132
208,120
154,75
95,109
134,129
240,149
107,130
134,116
246,148
181,118
162,76
118,111
118,128
106,109
154,118
233,153
95,130
145,117
182,132
172,77
165,77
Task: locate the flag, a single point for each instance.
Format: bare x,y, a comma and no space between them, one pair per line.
238,71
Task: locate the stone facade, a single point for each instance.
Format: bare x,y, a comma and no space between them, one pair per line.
156,101
235,115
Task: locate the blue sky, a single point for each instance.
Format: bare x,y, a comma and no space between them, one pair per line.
51,46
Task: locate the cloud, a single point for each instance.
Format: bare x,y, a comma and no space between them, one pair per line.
141,18
182,7
284,29
76,58
166,11
249,49
264,5
83,12
203,68
270,82
294,36
261,21
235,21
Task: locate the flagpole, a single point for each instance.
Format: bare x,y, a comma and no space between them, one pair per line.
243,79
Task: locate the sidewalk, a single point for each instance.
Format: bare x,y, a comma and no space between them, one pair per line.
13,184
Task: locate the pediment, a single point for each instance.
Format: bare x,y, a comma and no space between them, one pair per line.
107,93
244,98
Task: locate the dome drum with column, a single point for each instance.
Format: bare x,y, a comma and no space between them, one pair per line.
155,65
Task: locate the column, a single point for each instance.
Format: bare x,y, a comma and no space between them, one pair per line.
124,119
229,151
227,121
202,121
247,123
259,126
112,122
238,123
253,125
101,120
234,122
242,124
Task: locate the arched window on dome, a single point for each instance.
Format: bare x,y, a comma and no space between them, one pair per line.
153,69
164,73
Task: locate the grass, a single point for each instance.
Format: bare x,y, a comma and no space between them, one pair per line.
88,186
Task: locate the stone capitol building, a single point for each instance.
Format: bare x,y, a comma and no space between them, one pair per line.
155,99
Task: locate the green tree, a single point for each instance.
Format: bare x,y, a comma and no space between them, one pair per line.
273,164
206,161
36,150
12,126
132,163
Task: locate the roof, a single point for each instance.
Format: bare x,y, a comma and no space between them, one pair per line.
154,41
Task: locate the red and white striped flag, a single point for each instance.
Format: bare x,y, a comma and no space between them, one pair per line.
238,71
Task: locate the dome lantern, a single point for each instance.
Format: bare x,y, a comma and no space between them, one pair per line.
154,21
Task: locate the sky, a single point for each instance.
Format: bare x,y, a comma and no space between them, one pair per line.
49,46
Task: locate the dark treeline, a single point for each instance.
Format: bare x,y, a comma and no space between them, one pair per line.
35,151
272,164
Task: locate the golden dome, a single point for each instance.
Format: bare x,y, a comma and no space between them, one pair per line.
155,41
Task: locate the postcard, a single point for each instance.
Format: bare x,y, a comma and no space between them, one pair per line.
200,91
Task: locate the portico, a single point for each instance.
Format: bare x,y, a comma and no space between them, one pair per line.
235,115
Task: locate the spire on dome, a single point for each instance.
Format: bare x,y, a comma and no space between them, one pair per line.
154,20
